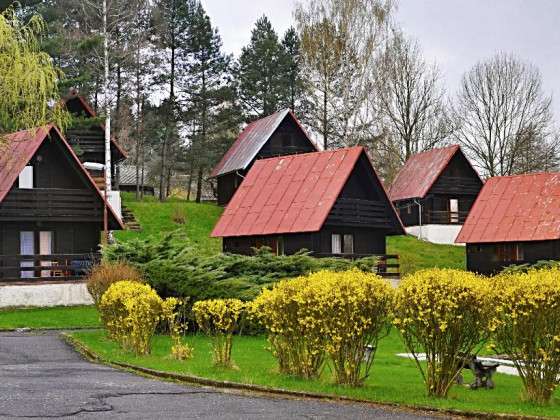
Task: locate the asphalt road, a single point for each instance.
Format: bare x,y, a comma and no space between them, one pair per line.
42,377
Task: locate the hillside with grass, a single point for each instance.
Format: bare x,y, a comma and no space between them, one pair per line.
197,221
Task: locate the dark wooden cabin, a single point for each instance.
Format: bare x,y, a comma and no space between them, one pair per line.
515,220
51,212
435,187
278,134
331,203
88,140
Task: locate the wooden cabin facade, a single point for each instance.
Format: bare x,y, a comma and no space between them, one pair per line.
279,134
88,141
330,203
51,212
127,181
515,220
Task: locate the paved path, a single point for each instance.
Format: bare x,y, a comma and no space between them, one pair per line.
42,377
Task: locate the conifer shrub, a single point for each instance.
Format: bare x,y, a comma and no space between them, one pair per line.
334,316
108,272
445,315
219,318
131,312
527,328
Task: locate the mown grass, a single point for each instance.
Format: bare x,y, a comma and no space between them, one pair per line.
59,317
393,379
156,219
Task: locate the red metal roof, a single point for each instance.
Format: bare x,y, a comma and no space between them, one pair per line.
420,172
515,208
250,142
289,194
17,149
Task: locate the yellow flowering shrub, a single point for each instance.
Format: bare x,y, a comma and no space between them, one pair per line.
130,312
219,318
527,328
179,350
334,314
444,314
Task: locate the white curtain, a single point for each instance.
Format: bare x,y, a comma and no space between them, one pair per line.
26,178
336,243
27,247
45,248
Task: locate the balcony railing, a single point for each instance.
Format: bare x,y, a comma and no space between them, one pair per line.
385,266
357,212
46,267
51,204
445,217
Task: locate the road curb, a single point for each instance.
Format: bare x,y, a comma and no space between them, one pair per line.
279,392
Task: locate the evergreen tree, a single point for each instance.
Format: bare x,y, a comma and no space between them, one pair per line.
291,68
260,79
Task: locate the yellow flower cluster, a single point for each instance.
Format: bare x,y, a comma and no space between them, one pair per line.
179,350
219,318
445,314
131,312
334,314
526,326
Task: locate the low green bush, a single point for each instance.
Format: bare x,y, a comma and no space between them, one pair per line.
524,268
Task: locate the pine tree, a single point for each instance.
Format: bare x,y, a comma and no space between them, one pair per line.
260,79
291,68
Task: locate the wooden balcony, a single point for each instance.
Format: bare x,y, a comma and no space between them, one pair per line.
31,268
445,217
51,204
386,265
356,212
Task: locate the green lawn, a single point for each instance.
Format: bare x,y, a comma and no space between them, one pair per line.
59,317
155,219
393,379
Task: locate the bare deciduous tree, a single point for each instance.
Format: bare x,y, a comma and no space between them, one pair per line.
410,101
504,118
339,43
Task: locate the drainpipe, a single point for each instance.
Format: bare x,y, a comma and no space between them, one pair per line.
419,218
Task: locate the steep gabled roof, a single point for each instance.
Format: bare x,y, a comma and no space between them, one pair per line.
17,149
420,172
515,208
290,194
76,103
251,141
127,175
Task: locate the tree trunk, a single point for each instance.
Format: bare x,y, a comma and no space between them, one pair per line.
199,184
325,121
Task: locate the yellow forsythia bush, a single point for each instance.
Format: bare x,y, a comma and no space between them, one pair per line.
130,312
527,328
179,350
444,314
334,314
219,318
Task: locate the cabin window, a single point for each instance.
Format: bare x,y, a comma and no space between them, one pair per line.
280,246
453,210
27,247
46,248
342,243
510,252
409,209
26,178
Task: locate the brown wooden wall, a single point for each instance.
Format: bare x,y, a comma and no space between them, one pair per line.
486,258
227,185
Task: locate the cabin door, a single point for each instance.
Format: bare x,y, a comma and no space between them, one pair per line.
45,248
454,210
27,247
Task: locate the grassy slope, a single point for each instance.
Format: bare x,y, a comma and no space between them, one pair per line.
155,219
57,317
393,379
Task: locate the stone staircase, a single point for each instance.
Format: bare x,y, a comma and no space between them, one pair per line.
129,220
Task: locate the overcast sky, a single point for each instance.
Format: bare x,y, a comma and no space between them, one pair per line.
454,33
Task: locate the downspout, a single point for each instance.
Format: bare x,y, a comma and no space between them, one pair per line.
419,218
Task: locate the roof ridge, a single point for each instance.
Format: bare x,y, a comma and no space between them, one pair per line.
310,153
525,174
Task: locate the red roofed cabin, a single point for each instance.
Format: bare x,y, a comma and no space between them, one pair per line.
88,141
51,212
515,220
434,192
278,134
331,203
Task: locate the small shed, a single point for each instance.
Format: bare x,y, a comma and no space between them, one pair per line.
515,220
278,134
331,203
434,192
127,180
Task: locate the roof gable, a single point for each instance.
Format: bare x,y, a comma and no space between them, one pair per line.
514,209
289,194
20,147
421,171
251,140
